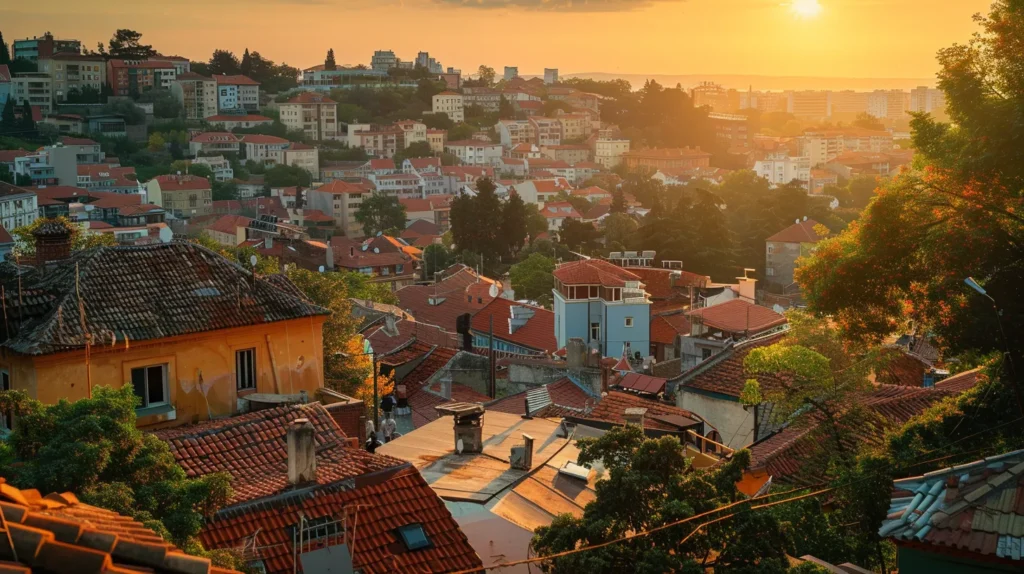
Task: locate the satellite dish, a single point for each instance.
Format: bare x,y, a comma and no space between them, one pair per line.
379,233
365,247
458,446
376,250
252,260
321,268
493,291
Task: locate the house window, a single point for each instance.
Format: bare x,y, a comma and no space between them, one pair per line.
770,271
705,354
771,249
414,537
150,385
245,369
629,321
593,291
595,331
6,422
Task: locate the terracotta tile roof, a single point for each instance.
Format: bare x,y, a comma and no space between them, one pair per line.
182,182
737,316
422,402
593,272
56,194
238,80
338,187
5,73
215,137
58,533
229,224
253,449
352,255
263,139
590,191
382,164
422,227
415,351
448,296
310,98
554,210
68,140
662,332
9,155
962,381
666,153
121,176
384,341
598,211
659,416
802,232
567,399
724,373
659,283
383,502
538,333
977,508
160,291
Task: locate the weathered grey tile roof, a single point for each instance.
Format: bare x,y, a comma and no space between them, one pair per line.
139,293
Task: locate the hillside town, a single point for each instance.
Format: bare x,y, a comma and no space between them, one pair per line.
392,316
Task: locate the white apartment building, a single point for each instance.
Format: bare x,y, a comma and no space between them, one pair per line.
219,165
550,76
449,103
608,152
400,185
780,169
475,152
928,100
237,93
17,206
262,148
514,132
314,114
73,71
383,60
511,73
35,88
546,131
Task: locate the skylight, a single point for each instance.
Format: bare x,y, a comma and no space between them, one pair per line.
414,537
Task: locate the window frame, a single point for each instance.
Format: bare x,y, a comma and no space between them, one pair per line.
164,371
239,371
595,328
628,322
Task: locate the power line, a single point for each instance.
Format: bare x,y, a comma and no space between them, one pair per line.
645,533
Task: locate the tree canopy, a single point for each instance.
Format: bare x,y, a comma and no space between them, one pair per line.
127,45
381,213
531,278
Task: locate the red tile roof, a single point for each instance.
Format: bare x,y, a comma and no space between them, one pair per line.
68,140
554,210
56,194
121,176
423,162
422,402
724,373
384,342
9,155
182,182
263,139
593,272
413,352
567,399
215,137
315,216
962,381
310,98
538,333
659,283
229,224
802,232
338,187
238,80
382,164
253,449
662,332
140,209
69,536
376,507
659,416
737,316
421,227
449,298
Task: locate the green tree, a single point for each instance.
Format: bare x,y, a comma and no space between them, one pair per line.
579,236
224,62
506,111
514,231
435,258
649,484
461,131
618,202
329,63
156,143
536,224
28,123
225,190
245,67
286,176
476,222
91,447
868,122
619,231
165,105
486,75
8,121
133,114
532,279
415,149
5,174
5,55
381,213
127,45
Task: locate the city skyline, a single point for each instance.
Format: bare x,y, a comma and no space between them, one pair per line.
847,38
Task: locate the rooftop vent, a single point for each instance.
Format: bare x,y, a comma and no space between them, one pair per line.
518,317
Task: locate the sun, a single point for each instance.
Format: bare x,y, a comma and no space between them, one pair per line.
805,8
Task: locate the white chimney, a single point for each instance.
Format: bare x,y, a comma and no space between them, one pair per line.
301,452
521,457
635,416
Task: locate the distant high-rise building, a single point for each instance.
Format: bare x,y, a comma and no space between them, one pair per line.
849,102
928,100
511,72
810,105
383,60
715,97
888,104
550,76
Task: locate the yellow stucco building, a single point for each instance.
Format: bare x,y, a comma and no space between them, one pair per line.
193,332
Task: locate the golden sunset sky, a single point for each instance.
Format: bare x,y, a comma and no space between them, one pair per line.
847,38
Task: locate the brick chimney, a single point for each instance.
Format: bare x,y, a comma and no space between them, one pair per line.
301,452
53,241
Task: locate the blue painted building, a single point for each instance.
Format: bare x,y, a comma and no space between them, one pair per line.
5,84
603,304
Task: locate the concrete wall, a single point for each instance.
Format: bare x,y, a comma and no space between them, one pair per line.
200,368
733,422
616,334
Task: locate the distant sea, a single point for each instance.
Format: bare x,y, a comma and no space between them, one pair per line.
763,83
